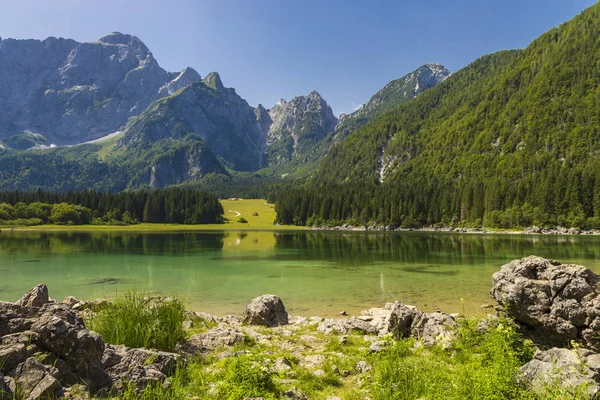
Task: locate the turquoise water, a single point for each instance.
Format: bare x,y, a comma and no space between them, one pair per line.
315,273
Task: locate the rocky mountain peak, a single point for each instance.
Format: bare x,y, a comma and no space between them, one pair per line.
297,125
430,75
213,80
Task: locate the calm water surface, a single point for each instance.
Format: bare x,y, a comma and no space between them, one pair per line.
315,273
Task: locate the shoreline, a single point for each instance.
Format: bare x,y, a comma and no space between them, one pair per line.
166,228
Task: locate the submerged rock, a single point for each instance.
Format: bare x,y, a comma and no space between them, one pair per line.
554,302
267,310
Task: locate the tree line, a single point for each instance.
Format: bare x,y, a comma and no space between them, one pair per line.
172,206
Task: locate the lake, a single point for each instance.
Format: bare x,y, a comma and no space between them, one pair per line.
315,273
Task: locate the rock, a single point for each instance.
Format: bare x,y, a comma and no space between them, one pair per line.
434,328
346,325
362,367
282,364
294,394
312,361
343,340
319,373
377,347
570,368
333,398
75,303
554,302
343,313
140,367
36,381
6,392
212,340
36,297
61,332
400,320
267,310
12,355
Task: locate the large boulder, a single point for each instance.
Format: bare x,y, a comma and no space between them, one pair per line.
36,297
554,302
569,368
62,332
267,310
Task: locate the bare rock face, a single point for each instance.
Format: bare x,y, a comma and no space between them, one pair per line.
36,297
571,368
73,92
554,302
267,310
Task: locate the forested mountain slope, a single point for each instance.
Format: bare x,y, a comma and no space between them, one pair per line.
512,139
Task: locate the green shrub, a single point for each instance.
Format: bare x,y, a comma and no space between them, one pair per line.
136,320
244,377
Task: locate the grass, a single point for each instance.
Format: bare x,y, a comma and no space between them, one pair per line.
136,320
245,208
478,364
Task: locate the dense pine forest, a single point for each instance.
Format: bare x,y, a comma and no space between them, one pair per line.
511,140
174,206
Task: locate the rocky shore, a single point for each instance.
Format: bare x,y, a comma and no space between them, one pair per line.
46,351
394,228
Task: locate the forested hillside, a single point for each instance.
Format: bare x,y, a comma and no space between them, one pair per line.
510,140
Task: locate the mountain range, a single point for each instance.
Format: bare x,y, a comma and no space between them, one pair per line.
512,139
69,110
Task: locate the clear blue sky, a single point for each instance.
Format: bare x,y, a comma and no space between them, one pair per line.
272,49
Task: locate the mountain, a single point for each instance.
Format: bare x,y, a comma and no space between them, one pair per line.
72,92
393,94
284,157
510,140
297,126
216,114
105,115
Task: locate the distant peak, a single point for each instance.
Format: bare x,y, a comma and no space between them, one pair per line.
315,94
117,38
213,80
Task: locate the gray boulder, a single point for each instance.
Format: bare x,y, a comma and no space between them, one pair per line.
267,310
138,367
6,392
345,325
62,332
36,381
434,328
554,302
401,319
12,355
211,340
36,297
570,368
